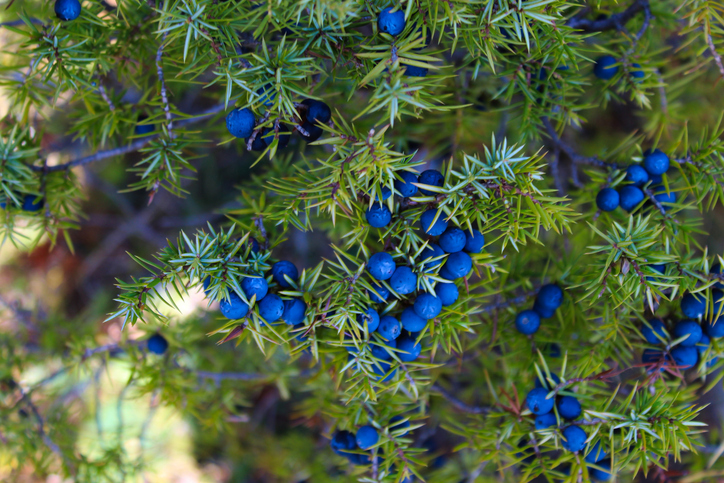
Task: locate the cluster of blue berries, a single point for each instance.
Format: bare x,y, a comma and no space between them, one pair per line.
548,411
67,10
355,446
629,196
549,298
241,124
450,256
695,338
31,203
607,67
379,215
271,307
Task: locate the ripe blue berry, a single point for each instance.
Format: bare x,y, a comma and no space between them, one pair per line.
607,199
367,437
313,131
542,311
426,222
389,328
378,216
382,368
267,94
271,308
545,421
143,129
545,384
381,265
689,329
452,240
294,310
414,71
574,439
431,177
258,143
240,123
702,347
33,203
409,350
693,305
630,197
637,175
656,179
652,357
605,67
385,193
390,22
447,293
537,402
254,287
432,250
568,407
552,350
381,293
603,474
716,269
285,135
658,267
343,441
714,327
411,321
654,332
383,351
157,344
234,308
685,356
596,454
528,452
283,269
403,281
317,111
206,284
636,71
395,425
550,296
457,265
527,322
371,317
67,10
254,244
656,162
474,242
427,306
404,185
666,199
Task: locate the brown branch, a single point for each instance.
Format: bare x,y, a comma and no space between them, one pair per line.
134,146
572,154
521,299
105,97
229,376
458,403
41,429
164,93
714,53
614,22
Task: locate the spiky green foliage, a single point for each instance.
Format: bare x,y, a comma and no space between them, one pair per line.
505,80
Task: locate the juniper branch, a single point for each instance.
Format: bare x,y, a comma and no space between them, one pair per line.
714,53
134,146
614,22
437,388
